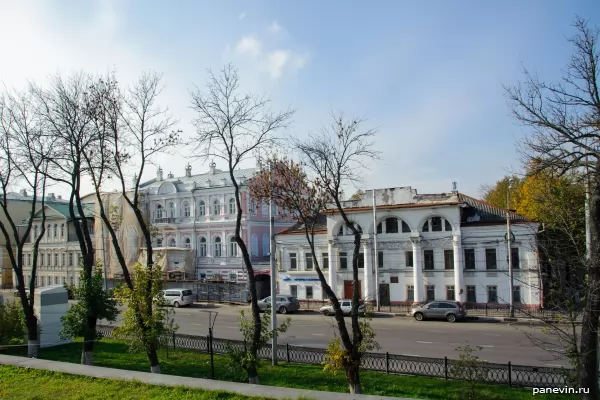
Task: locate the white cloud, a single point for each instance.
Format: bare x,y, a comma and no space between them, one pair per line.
249,45
279,61
242,16
275,27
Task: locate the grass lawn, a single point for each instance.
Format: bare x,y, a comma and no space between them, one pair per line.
115,354
23,384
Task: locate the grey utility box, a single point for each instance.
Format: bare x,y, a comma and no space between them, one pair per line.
51,303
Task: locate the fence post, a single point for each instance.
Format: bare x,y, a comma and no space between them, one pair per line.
173,339
486,310
387,362
287,352
509,375
212,361
446,367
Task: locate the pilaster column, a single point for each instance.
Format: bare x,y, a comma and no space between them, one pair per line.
368,273
458,269
417,269
332,268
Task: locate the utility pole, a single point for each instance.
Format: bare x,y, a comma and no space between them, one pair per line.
509,258
273,271
376,253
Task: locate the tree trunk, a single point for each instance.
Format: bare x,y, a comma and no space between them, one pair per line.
353,376
253,375
153,358
87,354
33,341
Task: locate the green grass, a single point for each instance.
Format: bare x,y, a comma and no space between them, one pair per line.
115,354
23,384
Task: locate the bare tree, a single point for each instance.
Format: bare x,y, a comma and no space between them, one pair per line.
233,127
336,156
565,122
24,153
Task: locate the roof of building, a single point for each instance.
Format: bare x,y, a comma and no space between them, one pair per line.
479,211
63,209
200,181
298,228
22,197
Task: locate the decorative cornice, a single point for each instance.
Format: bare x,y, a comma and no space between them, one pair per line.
394,245
437,242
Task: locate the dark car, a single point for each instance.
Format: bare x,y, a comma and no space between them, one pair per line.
440,309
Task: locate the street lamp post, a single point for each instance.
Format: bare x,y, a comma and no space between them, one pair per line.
509,257
273,272
376,253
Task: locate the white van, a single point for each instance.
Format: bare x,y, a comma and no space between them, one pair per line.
178,297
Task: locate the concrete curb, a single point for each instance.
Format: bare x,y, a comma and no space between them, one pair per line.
171,380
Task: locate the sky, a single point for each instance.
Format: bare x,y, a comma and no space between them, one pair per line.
427,75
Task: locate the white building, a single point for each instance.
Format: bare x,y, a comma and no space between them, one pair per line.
430,246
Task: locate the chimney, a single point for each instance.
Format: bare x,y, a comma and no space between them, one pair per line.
170,175
23,192
212,166
159,174
188,170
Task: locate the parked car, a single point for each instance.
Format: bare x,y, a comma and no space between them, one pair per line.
345,305
178,297
284,304
442,309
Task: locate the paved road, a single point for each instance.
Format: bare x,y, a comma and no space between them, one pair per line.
397,335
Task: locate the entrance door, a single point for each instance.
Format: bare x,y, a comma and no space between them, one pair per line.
384,294
349,289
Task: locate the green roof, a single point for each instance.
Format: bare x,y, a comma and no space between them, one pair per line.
63,209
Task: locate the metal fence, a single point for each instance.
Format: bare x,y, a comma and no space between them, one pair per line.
504,374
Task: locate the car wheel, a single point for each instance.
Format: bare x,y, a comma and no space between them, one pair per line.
176,305
419,316
282,310
326,313
451,318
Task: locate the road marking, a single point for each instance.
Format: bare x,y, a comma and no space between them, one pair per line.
554,365
419,341
233,327
411,355
318,334
491,334
193,323
485,345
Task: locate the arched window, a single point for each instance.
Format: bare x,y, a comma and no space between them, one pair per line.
266,245
252,208
357,226
202,247
232,247
62,231
436,224
171,210
216,208
391,225
202,209
341,231
186,209
55,231
264,208
447,226
172,242
159,211
232,206
159,241
187,243
217,247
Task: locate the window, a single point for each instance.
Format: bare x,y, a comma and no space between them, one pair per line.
266,245
361,260
64,280
405,227
187,243
426,226
448,259
70,258
469,258
201,208
450,292
325,264
309,292
29,259
56,280
252,207
471,294
517,294
72,280
430,292
172,243
254,245
217,247
293,262
55,259
436,224
62,231
159,241
343,260
171,210
264,209
492,294
341,231
159,211
232,247
55,231
36,282
490,259
202,247
408,255
380,259
35,232
232,209
391,225
294,290
428,258
393,279
41,259
309,261
514,258
48,231
186,209
216,208
379,228
63,258
410,293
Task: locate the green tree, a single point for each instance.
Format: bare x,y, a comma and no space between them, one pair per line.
90,295
12,323
468,368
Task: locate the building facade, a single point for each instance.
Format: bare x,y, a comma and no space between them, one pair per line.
440,246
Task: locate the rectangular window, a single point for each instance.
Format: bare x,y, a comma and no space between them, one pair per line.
430,292
309,261
514,258
428,258
393,279
63,259
29,259
450,292
469,258
64,280
294,291
380,259
490,259
361,260
325,261
410,293
471,294
492,294
70,258
55,259
448,259
72,280
436,224
408,255
293,262
517,294
309,292
343,260
42,259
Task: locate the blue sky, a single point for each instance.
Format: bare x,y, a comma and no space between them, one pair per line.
427,74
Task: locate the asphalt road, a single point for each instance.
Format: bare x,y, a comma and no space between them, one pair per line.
397,335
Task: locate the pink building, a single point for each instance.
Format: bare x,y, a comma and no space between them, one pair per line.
198,212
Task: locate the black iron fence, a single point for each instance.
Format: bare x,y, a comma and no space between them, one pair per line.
445,368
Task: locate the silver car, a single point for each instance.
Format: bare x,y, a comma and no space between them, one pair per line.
345,305
284,304
442,309
178,297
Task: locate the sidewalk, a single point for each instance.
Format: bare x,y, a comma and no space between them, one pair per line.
171,380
